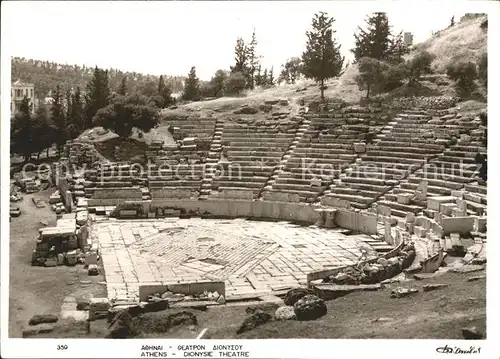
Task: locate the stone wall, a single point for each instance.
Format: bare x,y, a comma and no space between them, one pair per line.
299,212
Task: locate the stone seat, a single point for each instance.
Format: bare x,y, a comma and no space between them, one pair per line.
318,161
254,152
240,178
355,201
400,207
111,184
381,171
476,189
269,148
354,191
295,181
240,184
396,154
410,144
476,207
387,161
287,187
368,187
465,160
314,145
439,190
465,167
395,149
304,195
453,153
371,181
255,158
175,183
476,198
437,183
319,151
308,175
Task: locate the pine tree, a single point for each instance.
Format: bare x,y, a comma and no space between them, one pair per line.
452,21
59,119
240,57
67,107
22,131
122,89
322,59
264,78
43,130
98,95
253,60
270,80
258,76
377,41
191,86
77,115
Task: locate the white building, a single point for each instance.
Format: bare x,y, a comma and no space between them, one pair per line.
18,92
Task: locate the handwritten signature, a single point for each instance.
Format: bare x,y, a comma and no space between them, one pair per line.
456,350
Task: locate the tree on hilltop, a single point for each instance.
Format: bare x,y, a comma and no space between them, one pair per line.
165,92
59,119
322,59
122,89
290,71
191,86
127,112
77,120
98,95
218,82
377,41
253,60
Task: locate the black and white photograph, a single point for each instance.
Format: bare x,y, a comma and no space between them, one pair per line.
197,170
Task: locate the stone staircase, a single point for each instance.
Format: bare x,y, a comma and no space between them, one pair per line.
212,160
303,128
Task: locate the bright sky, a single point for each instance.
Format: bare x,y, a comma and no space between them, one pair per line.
170,37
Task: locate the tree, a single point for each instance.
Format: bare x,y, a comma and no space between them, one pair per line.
322,59
258,76
22,131
98,95
122,90
235,83
290,71
270,78
452,21
377,41
240,57
164,92
372,75
463,74
127,112
67,106
77,123
218,82
420,64
482,69
148,89
192,86
59,119
253,60
43,130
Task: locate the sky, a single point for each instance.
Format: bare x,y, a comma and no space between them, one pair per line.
170,37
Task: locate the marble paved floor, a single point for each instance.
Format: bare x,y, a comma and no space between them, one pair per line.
252,257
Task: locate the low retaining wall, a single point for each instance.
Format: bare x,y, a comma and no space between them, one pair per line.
322,274
299,212
194,288
462,225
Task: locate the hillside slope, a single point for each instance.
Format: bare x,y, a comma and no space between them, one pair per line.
464,41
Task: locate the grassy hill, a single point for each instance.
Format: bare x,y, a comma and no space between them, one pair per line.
465,41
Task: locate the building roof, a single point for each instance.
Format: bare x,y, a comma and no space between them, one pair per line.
22,84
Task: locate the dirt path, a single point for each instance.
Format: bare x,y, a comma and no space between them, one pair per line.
39,290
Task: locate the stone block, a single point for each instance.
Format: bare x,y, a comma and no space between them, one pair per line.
420,232
90,258
384,210
434,203
404,198
360,147
480,224
447,208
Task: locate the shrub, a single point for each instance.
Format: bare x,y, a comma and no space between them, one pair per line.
235,83
419,65
482,69
395,75
463,74
372,75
